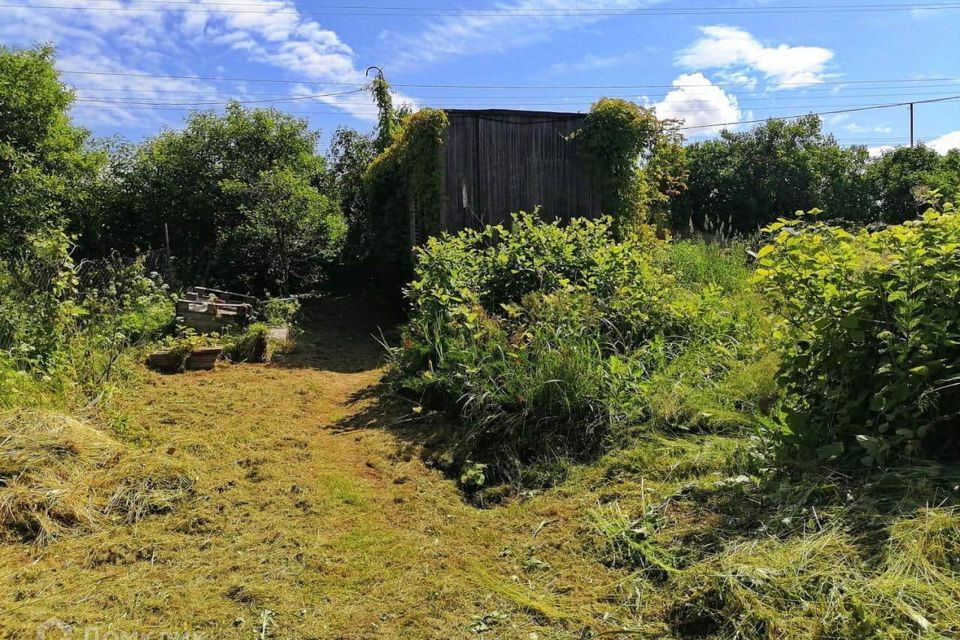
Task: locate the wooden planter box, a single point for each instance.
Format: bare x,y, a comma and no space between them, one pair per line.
203,358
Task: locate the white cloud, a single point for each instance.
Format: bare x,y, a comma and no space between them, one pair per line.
171,39
733,49
876,152
739,78
946,142
698,102
505,26
853,127
591,62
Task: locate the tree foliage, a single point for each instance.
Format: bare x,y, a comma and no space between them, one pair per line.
288,233
744,180
902,181
348,157
205,185
45,169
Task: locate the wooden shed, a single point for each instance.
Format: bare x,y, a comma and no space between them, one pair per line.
497,162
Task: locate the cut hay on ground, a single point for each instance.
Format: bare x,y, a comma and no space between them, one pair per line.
59,475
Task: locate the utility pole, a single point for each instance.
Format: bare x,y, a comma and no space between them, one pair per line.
911,125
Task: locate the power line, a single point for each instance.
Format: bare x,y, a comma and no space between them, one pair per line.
552,97
820,113
383,11
452,105
684,128
949,79
633,10
224,102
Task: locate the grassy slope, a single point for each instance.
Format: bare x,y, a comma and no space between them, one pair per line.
314,521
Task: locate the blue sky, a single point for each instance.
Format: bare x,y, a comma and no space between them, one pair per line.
141,65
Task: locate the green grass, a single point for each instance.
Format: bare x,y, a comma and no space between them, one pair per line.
703,262
676,534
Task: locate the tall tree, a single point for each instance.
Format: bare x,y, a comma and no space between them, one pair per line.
902,179
203,182
45,169
743,180
289,232
349,156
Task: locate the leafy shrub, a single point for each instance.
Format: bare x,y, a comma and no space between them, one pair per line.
547,340
871,334
636,160
66,326
281,311
122,307
250,346
38,287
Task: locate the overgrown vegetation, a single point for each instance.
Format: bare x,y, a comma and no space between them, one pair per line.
694,438
553,341
871,363
404,188
636,160
707,407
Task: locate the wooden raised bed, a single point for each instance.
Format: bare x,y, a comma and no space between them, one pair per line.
202,358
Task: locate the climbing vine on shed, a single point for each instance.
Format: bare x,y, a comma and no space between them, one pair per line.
389,118
635,159
407,180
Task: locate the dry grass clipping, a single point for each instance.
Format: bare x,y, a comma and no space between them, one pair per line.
59,475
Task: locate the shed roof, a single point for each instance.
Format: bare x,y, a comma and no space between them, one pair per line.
495,113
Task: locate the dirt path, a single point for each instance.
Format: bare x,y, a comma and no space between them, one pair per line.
312,520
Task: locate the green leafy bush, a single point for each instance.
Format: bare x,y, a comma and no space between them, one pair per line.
64,325
547,340
38,289
249,346
872,335
281,311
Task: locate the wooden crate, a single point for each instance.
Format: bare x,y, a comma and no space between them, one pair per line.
213,317
203,358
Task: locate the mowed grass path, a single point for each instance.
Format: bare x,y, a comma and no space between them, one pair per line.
313,518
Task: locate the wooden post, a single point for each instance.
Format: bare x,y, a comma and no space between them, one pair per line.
166,237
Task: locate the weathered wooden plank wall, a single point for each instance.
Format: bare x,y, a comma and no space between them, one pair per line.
497,162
